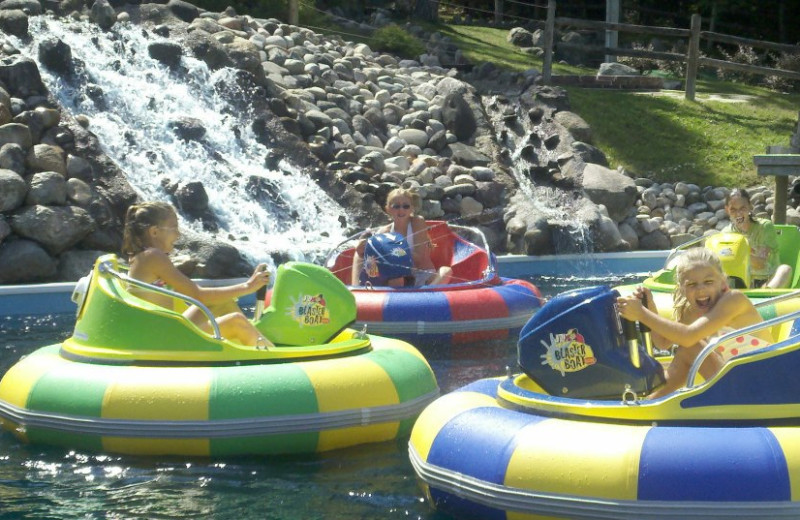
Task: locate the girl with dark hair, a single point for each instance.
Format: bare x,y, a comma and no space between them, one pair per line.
765,267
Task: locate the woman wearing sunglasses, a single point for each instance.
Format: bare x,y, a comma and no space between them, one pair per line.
401,206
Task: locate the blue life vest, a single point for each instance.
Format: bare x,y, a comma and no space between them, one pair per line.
386,256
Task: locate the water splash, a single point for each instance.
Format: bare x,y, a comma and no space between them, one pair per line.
132,101
570,234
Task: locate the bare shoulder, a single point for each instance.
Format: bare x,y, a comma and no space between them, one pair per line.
737,300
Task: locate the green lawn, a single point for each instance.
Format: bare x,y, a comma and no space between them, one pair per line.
664,137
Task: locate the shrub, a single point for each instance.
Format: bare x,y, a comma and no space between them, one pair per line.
639,63
745,55
785,61
396,40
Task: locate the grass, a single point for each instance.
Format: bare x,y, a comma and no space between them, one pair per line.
665,138
708,142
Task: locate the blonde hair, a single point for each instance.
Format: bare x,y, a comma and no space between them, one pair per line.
694,257
140,218
413,196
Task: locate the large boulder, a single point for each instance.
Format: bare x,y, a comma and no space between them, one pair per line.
56,228
614,190
24,261
12,190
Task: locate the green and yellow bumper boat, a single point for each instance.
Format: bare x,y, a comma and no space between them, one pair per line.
137,378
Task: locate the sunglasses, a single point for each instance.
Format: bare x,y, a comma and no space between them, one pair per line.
398,206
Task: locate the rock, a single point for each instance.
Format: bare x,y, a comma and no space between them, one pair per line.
465,155
610,188
183,10
616,69
45,157
188,128
12,157
457,116
15,133
520,37
103,14
415,137
72,265
575,125
24,261
166,52
13,190
57,228
14,22
56,56
79,192
46,188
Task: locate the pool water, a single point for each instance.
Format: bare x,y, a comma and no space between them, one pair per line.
366,482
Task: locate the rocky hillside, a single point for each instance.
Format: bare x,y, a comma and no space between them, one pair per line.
511,159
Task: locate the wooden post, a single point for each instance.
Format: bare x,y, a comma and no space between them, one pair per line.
549,31
498,12
693,57
612,36
712,23
294,12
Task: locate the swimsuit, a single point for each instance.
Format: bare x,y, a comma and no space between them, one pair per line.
763,242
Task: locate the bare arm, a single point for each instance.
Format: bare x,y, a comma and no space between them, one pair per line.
422,244
159,266
730,306
643,293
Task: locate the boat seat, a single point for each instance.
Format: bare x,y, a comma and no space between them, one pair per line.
467,260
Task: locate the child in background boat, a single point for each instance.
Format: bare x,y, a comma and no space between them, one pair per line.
704,307
765,267
401,206
151,230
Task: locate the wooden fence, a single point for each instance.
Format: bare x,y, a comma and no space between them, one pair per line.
692,58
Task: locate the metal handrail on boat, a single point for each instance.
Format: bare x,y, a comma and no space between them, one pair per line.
107,269
712,345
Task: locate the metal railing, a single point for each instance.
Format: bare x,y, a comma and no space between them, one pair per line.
106,268
712,345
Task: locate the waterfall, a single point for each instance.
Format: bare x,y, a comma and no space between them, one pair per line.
132,100
570,233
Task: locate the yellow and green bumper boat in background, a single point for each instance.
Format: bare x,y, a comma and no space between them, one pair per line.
136,378
734,254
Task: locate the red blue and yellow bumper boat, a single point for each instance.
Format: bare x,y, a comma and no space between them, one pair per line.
478,305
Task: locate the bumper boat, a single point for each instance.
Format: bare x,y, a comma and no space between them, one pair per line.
478,306
569,437
734,253
137,378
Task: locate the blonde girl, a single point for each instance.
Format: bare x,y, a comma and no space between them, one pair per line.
704,307
151,230
402,206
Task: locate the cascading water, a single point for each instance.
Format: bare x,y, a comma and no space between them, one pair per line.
139,99
570,234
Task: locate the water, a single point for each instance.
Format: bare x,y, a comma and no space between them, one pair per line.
366,482
132,103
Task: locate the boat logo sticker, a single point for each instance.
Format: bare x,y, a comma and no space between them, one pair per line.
568,352
371,266
310,311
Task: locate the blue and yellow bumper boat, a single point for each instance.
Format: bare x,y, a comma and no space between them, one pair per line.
136,378
571,436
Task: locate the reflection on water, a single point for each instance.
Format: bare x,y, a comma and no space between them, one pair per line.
366,482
